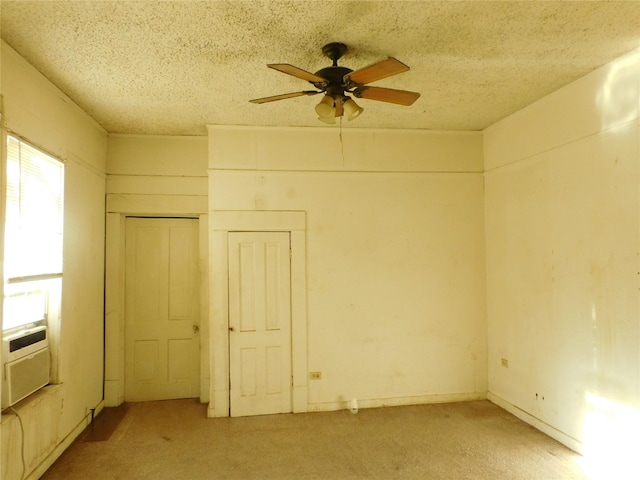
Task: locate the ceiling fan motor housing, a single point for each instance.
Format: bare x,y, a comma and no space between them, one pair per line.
335,77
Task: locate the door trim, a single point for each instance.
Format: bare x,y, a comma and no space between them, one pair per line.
221,223
114,302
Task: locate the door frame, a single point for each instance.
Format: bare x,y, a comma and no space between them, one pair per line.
221,223
114,353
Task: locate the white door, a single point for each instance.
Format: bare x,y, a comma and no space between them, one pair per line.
162,351
259,323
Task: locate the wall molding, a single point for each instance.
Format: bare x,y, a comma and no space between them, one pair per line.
343,404
535,422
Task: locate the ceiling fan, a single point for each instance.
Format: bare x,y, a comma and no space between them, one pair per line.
336,81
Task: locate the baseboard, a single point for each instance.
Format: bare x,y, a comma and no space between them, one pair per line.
535,422
44,465
343,404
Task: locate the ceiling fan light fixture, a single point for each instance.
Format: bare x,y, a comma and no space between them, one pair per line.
329,120
351,109
326,107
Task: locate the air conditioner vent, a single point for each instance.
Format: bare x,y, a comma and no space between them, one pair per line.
25,341
25,376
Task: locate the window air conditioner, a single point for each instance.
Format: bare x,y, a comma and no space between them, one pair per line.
27,363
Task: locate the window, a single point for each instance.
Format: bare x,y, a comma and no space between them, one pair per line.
33,234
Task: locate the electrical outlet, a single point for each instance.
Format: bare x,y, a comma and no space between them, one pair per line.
505,363
315,375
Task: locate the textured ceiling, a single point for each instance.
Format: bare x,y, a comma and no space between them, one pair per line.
172,67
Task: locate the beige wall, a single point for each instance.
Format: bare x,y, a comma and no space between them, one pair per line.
40,113
394,254
562,220
148,173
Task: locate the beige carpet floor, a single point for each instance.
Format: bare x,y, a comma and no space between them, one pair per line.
173,440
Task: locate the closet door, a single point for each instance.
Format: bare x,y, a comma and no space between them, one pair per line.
162,351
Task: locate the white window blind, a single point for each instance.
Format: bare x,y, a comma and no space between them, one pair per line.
34,214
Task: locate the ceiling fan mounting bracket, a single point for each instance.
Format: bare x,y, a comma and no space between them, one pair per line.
334,51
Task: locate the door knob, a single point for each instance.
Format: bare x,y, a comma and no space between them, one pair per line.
231,329
196,329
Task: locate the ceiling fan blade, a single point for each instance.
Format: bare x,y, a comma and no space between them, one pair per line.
297,72
283,96
377,71
389,95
